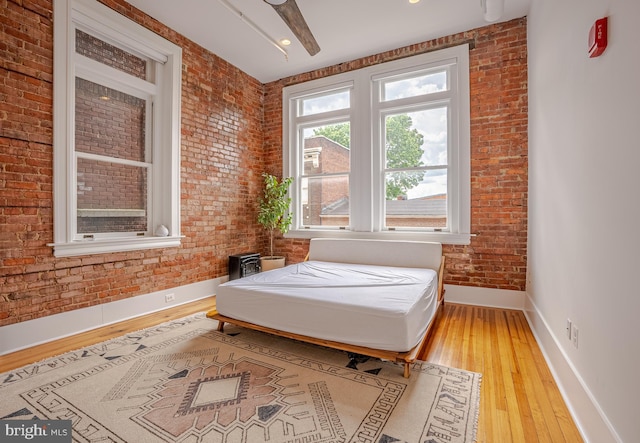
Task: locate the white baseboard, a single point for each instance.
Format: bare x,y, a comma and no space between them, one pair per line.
41,330
587,414
489,297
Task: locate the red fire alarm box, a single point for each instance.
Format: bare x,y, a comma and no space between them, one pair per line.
598,37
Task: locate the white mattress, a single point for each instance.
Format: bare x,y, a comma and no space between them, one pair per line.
378,307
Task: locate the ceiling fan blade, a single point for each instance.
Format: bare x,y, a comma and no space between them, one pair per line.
290,13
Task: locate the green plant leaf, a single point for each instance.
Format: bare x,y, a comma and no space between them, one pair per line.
274,213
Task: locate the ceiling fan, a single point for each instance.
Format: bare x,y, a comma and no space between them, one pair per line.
289,12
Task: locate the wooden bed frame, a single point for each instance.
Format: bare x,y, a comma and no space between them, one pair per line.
405,358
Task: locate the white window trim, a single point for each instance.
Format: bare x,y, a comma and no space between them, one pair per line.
363,122
165,190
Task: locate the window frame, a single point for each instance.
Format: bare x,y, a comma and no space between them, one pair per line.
163,197
366,181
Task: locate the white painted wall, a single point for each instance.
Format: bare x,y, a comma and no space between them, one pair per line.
584,207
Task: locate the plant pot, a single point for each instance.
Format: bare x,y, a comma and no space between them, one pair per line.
271,262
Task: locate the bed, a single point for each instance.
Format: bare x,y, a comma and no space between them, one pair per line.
377,298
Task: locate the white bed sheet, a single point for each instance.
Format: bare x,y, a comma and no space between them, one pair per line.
379,307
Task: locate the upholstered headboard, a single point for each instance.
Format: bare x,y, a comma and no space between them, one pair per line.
409,254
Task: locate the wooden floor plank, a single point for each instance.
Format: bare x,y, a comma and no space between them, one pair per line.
510,375
519,402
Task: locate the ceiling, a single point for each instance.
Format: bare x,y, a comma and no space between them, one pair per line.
344,29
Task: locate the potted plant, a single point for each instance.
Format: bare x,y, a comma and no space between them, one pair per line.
274,215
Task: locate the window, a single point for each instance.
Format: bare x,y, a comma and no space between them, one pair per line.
324,177
116,133
382,152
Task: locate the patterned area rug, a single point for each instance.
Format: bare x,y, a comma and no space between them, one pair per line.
185,382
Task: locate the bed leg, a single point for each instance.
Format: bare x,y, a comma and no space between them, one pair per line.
407,369
220,326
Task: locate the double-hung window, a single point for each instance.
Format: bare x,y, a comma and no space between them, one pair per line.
116,121
382,152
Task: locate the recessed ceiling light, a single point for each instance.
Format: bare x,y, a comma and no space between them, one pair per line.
285,42
413,1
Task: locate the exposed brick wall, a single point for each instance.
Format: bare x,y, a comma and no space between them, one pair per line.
221,167
497,256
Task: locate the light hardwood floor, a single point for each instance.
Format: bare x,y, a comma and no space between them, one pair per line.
519,399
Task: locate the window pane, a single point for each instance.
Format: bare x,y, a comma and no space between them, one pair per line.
403,142
112,197
325,103
416,139
110,55
325,201
416,196
109,122
416,85
326,149
424,204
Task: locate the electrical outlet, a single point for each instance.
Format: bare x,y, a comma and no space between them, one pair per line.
574,335
568,330
168,298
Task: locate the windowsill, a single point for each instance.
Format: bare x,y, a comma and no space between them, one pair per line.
439,237
103,246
